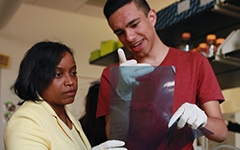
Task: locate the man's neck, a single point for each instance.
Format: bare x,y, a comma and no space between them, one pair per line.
156,56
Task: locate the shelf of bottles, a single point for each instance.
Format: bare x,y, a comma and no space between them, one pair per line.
217,19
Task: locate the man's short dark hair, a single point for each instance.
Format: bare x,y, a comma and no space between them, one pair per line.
113,5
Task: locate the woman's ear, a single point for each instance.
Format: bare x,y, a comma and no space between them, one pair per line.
152,17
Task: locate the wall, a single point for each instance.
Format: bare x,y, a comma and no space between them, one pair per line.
232,103
32,24
8,75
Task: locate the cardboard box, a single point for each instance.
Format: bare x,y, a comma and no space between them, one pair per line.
108,47
95,55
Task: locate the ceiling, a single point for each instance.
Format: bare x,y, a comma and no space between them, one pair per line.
88,7
92,8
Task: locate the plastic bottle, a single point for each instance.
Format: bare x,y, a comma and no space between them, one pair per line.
219,41
211,41
186,45
203,48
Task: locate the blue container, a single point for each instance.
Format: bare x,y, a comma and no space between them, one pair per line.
187,8
205,4
181,10
166,16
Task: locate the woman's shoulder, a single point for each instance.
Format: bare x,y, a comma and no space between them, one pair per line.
28,109
25,116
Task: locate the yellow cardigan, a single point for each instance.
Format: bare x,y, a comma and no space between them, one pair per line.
36,126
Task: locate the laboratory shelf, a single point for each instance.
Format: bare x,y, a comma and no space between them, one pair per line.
110,58
234,54
209,21
227,70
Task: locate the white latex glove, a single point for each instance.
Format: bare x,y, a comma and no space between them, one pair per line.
110,145
190,114
127,75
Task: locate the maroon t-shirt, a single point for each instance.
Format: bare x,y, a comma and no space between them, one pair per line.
195,82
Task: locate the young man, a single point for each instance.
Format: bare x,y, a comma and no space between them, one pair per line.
195,83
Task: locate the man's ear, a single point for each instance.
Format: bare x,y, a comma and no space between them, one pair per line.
152,17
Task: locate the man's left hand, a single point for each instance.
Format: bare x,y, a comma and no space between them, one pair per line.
190,114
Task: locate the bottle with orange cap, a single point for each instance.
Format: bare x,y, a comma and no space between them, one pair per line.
219,41
203,48
211,41
186,44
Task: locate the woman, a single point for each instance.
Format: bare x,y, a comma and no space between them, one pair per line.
47,82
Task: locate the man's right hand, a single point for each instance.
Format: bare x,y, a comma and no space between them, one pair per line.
129,70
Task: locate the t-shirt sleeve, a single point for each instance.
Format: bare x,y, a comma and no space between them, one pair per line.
208,86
